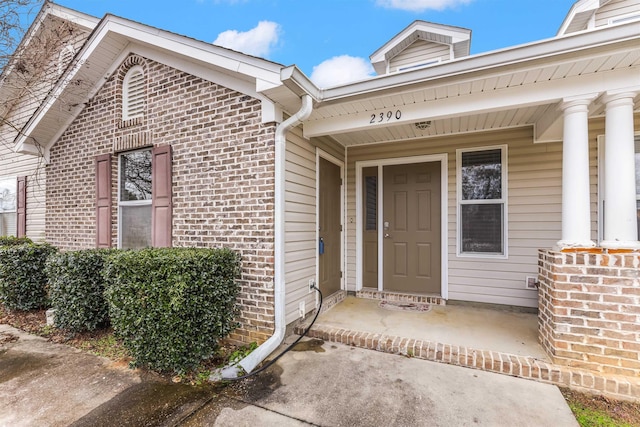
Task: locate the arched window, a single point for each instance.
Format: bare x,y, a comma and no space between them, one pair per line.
133,93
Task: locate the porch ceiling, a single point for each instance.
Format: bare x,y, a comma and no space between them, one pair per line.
507,96
446,126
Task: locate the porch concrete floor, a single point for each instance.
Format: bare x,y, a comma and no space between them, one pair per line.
477,328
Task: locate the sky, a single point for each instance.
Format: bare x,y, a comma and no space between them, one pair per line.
331,40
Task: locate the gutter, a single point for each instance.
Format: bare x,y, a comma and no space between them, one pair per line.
259,354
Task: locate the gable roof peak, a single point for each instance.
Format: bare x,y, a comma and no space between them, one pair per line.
458,38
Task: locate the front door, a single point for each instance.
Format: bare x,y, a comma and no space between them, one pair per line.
411,228
330,228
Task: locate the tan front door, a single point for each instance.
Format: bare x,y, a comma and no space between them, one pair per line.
411,228
329,227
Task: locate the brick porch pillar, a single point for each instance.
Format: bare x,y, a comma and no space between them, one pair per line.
589,310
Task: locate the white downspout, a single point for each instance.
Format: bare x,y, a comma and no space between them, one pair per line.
259,354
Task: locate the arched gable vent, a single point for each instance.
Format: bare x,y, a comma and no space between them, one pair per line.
133,93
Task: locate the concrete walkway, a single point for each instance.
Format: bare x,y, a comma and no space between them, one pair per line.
327,384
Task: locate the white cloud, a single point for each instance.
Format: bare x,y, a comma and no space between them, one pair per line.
341,70
257,41
421,5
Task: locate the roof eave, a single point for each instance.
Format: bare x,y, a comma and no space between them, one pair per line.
232,61
487,61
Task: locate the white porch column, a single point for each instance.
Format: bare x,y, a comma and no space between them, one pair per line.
620,212
576,209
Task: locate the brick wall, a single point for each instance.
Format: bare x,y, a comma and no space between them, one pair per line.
589,310
223,175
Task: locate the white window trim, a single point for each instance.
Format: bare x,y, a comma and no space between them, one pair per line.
125,92
444,236
503,200
129,202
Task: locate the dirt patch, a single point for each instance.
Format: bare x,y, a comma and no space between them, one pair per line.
592,410
6,337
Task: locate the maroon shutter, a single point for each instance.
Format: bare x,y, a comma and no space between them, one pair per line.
22,206
161,197
103,201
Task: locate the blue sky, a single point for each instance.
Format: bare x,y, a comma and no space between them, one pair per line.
308,33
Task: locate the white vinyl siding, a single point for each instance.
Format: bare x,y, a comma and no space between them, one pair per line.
14,164
534,220
420,53
300,223
616,9
300,219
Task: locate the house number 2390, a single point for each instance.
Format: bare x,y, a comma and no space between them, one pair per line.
385,116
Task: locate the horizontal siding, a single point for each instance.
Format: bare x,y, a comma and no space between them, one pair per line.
300,223
419,52
14,165
614,9
534,210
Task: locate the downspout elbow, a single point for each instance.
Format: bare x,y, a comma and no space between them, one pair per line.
259,354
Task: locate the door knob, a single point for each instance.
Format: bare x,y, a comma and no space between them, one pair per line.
387,235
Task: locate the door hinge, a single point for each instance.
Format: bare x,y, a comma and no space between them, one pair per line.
341,274
340,227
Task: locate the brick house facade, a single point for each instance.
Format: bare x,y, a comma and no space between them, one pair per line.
248,141
222,174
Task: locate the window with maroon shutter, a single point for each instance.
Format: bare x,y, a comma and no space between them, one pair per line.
21,208
103,201
161,204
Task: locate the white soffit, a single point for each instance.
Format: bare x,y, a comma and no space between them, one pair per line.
496,94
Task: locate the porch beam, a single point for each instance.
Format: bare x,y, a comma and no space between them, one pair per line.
576,204
489,100
620,208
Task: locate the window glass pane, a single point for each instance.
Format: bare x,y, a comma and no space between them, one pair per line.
135,223
135,176
371,202
482,175
8,224
482,228
7,194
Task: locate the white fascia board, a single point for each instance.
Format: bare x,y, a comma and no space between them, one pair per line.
79,18
485,102
206,54
486,61
198,50
296,81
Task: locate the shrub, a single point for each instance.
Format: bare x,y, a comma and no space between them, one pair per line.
13,240
23,282
76,289
171,306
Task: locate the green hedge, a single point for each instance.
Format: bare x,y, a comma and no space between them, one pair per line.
171,306
13,240
23,281
76,289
